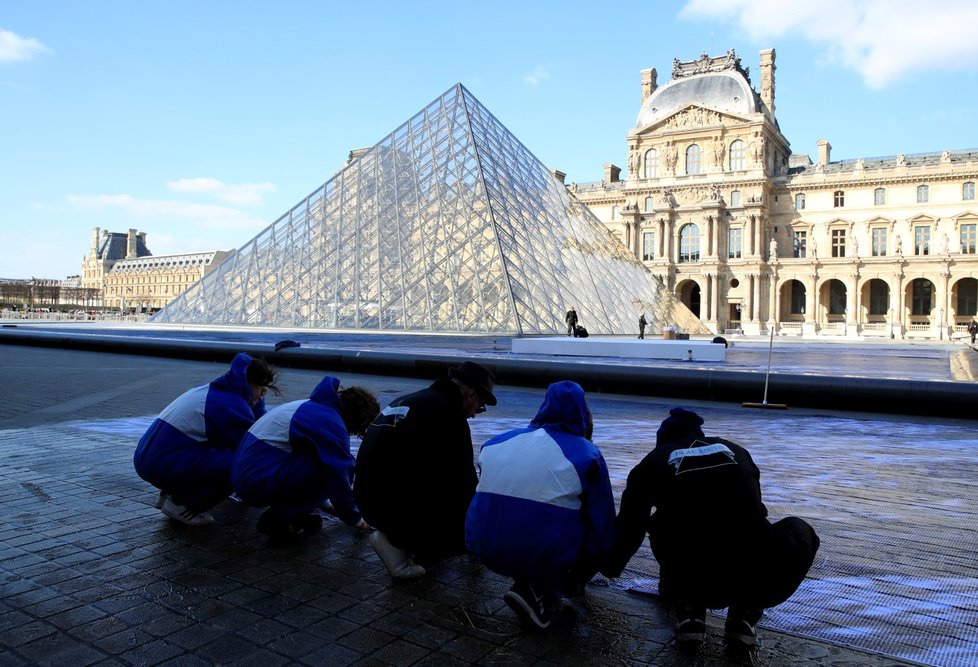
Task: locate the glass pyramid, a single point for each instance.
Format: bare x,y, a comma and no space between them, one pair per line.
449,224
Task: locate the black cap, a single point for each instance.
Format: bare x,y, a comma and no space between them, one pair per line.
476,376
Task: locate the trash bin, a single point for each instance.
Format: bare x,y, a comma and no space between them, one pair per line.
668,333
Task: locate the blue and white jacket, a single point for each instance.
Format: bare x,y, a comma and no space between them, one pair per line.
213,416
544,499
311,430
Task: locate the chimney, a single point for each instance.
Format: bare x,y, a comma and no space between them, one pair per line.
559,175
649,84
95,235
824,149
612,173
131,245
767,81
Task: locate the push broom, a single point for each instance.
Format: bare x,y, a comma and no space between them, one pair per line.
764,403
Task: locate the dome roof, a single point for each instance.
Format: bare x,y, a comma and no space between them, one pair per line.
723,91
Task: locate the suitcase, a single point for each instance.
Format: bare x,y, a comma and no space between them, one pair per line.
580,332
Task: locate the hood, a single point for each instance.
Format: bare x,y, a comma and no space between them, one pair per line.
235,381
565,408
326,393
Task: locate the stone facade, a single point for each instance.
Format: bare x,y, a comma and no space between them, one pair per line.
132,278
751,236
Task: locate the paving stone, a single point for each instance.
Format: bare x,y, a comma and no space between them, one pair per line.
90,573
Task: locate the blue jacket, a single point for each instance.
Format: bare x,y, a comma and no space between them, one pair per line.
213,416
544,500
270,459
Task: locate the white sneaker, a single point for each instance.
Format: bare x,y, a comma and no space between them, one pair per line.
184,515
161,499
397,561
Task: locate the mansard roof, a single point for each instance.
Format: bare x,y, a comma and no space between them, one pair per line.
717,83
799,168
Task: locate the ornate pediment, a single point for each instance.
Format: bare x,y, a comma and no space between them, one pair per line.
691,118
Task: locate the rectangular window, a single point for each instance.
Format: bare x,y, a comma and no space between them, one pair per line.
735,198
839,197
879,241
799,242
838,243
968,191
921,236
735,243
923,194
968,239
648,246
879,197
649,204
800,201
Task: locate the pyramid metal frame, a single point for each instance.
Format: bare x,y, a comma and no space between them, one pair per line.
449,224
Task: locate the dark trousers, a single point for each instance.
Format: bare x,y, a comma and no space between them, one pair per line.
767,575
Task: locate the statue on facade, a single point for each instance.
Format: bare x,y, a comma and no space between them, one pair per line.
901,159
813,248
632,162
773,250
946,157
718,152
898,244
671,156
945,244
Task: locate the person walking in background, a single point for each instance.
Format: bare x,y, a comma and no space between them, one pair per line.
710,533
187,451
297,458
415,474
543,512
571,319
641,326
973,330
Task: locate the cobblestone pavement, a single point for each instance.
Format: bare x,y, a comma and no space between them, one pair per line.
90,573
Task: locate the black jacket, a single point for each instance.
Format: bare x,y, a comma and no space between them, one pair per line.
707,498
415,474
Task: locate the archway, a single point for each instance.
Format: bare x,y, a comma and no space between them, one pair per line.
964,300
689,294
793,295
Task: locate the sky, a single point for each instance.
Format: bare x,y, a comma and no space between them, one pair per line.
201,122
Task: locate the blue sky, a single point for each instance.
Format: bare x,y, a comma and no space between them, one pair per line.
200,122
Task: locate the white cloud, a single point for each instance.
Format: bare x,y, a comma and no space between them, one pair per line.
169,211
242,194
538,74
14,48
883,40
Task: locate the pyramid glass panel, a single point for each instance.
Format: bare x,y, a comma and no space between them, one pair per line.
448,224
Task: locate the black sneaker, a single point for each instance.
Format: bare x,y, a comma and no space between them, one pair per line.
533,610
690,625
739,630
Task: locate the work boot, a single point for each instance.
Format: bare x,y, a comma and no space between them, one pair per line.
397,561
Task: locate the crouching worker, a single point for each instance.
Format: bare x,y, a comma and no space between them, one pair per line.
297,457
543,512
710,533
187,451
415,471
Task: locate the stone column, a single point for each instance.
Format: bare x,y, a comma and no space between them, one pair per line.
810,327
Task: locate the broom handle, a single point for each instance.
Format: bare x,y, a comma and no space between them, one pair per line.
768,375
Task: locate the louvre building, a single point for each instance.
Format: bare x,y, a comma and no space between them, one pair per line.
448,224
753,236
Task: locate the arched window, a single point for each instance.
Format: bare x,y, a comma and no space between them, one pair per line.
800,201
649,204
689,243
693,160
735,198
923,194
839,198
968,191
738,156
921,291
879,197
651,166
